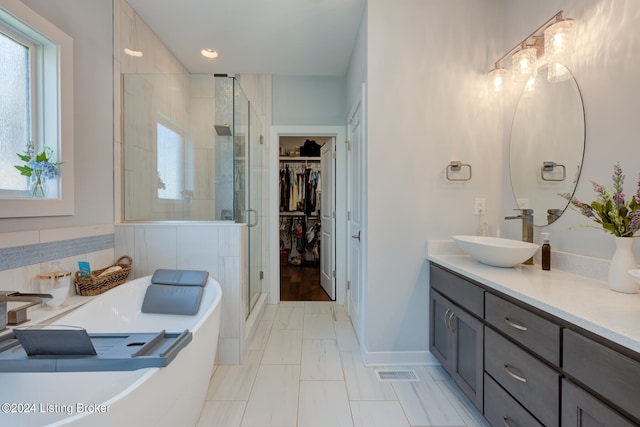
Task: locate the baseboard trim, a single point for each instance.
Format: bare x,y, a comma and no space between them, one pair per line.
398,358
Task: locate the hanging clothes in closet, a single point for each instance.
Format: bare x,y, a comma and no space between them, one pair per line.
300,188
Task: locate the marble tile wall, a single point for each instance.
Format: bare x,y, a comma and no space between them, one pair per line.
216,247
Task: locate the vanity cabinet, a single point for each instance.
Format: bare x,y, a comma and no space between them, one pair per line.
522,366
457,336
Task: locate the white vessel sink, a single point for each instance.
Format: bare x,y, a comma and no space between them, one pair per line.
496,251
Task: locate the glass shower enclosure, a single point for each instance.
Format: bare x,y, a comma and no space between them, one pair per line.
192,151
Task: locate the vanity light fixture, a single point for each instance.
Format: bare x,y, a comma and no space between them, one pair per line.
523,62
209,53
550,39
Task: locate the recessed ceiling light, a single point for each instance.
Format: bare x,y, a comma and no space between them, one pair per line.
209,53
135,53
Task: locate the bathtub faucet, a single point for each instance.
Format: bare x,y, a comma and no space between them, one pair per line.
18,315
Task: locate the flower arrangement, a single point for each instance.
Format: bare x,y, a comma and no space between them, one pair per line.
39,167
613,212
40,164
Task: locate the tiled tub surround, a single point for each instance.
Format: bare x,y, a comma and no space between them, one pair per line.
217,247
27,254
579,299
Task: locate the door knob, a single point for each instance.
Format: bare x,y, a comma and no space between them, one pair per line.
356,236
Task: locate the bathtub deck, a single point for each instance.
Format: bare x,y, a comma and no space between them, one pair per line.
303,368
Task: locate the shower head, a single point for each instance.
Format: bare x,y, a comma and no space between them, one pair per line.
223,130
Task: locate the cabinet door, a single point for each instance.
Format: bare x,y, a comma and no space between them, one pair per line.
467,354
440,335
580,409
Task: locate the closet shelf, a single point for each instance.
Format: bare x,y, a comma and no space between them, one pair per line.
298,159
298,213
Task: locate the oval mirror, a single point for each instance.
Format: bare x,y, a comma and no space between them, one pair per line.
547,143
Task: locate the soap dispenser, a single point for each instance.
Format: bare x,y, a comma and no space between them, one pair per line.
546,252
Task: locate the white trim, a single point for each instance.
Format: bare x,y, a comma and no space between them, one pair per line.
399,358
339,132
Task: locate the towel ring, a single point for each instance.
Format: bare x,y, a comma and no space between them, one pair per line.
549,167
456,166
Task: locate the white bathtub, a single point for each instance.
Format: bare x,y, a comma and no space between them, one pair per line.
170,396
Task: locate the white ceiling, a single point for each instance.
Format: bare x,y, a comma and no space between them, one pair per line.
285,37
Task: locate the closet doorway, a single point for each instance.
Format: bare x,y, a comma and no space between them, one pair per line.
307,218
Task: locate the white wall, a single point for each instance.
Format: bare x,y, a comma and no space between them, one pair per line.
427,63
605,64
90,26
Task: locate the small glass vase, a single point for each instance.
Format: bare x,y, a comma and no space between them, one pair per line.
621,263
38,186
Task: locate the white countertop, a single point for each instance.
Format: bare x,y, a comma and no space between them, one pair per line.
580,300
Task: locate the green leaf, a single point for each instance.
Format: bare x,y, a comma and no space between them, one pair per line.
23,157
42,157
24,170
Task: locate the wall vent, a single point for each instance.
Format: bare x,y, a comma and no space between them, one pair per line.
397,375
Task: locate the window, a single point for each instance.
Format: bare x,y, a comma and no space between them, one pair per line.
15,110
170,164
36,107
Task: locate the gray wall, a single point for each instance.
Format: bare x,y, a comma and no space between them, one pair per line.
308,100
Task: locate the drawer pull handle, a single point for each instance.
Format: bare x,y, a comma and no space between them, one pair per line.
515,376
514,325
505,420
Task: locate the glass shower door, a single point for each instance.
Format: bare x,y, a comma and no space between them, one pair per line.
255,212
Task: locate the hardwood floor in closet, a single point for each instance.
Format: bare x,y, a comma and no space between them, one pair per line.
301,283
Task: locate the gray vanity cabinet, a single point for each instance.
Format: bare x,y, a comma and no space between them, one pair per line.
457,337
522,366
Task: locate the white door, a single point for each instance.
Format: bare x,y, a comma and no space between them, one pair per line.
327,218
355,217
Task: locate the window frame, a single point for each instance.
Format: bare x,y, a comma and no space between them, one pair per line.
52,105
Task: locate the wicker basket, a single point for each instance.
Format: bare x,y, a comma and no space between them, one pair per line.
94,284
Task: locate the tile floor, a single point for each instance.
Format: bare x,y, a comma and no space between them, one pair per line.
303,369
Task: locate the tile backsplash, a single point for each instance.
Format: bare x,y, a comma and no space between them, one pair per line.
26,255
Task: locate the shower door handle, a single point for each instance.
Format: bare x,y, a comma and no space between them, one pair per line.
247,213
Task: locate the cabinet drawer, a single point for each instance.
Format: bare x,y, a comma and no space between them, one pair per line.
604,370
500,409
580,409
535,385
464,293
532,331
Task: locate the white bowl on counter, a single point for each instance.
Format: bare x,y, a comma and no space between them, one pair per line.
496,251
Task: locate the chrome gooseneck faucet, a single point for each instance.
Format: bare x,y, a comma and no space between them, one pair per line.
18,315
527,227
